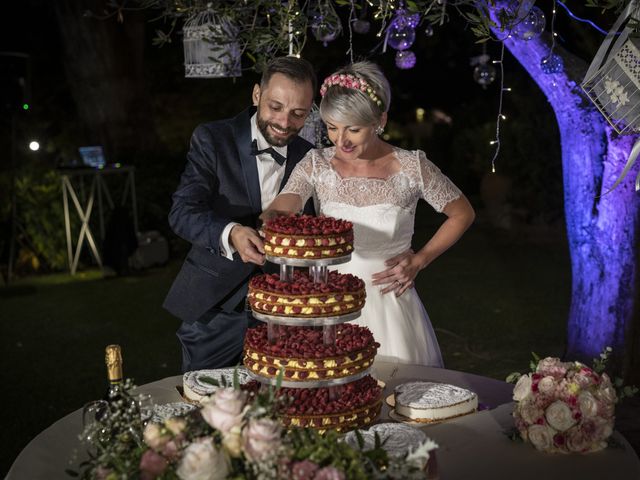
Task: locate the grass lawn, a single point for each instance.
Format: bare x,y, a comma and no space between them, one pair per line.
493,299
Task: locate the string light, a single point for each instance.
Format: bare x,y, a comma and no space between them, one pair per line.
352,16
500,116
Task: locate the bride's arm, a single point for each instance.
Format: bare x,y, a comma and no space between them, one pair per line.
403,269
283,204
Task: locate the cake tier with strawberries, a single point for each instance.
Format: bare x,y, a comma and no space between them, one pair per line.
342,294
302,354
307,237
353,405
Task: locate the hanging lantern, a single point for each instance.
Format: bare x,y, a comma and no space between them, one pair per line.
612,82
552,64
314,130
428,31
210,47
402,30
405,59
531,26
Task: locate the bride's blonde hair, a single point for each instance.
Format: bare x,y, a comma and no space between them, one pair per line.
354,106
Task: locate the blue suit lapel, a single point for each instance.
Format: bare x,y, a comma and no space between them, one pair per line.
242,129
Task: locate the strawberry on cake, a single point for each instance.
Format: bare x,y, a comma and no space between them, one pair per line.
301,352
307,237
342,294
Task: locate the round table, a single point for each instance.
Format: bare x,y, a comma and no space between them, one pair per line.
471,447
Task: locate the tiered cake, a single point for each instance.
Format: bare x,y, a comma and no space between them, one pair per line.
324,361
304,236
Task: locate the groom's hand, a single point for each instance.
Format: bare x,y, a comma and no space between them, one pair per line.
248,244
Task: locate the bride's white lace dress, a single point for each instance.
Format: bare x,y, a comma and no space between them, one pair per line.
382,212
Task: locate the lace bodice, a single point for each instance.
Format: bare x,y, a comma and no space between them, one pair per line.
417,178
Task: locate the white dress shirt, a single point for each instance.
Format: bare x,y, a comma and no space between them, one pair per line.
270,175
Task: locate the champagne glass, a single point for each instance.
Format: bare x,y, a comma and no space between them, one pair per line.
146,405
93,415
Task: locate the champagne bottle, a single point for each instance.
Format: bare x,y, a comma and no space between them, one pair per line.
113,359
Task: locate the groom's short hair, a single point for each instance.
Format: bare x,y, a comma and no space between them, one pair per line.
297,69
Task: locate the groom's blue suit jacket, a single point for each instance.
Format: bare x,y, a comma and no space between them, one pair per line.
219,185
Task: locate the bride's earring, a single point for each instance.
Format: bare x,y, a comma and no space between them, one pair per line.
379,130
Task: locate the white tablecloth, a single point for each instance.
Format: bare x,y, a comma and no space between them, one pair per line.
473,447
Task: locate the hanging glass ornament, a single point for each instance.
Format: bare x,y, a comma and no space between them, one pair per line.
484,74
532,25
402,30
325,23
552,64
428,31
361,26
405,59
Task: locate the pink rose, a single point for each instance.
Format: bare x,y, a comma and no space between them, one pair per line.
577,441
101,473
541,437
329,473
224,410
303,470
552,367
152,465
607,394
171,450
522,388
530,412
261,438
155,437
559,416
547,385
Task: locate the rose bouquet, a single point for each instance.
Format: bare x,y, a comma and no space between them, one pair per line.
236,434
564,407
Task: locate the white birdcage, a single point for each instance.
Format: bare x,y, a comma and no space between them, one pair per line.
615,88
613,79
210,47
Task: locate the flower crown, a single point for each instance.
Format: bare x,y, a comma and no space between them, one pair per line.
348,80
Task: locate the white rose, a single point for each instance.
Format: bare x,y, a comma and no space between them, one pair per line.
588,405
547,385
202,461
607,394
224,410
154,436
522,388
541,437
559,416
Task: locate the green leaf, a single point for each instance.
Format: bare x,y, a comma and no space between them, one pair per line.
513,377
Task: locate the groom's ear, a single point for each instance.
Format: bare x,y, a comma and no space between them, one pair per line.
255,95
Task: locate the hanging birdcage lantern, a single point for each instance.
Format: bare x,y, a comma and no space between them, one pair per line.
210,47
314,130
613,81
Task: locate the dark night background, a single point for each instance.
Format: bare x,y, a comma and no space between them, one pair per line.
100,82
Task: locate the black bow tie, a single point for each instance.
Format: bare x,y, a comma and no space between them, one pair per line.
279,158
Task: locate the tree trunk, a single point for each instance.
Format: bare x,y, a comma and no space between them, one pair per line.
602,227
105,71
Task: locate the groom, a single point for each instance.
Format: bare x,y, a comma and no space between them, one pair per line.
235,168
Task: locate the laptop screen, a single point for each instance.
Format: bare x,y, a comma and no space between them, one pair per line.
92,156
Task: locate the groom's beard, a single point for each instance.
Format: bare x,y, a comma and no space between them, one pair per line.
273,141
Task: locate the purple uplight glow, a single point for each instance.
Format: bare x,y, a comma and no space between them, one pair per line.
405,59
601,228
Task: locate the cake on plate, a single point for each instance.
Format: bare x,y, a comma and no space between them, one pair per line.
433,402
198,384
305,236
302,354
342,294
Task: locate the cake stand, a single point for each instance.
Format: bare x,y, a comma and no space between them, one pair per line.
319,272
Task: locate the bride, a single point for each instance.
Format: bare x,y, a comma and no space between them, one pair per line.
377,186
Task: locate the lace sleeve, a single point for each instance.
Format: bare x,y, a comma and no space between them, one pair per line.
437,189
300,182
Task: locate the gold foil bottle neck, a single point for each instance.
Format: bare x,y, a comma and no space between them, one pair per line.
113,359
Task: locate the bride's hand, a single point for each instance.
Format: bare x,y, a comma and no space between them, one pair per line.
400,274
